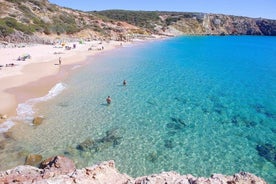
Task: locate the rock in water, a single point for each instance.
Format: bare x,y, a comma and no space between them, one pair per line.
3,116
268,151
37,120
33,159
86,145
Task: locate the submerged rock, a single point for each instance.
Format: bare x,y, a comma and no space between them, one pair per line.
169,143
152,157
184,101
262,110
238,120
268,151
178,120
176,124
112,138
71,151
86,145
33,159
37,120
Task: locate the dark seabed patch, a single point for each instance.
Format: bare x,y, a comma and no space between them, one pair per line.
263,110
268,151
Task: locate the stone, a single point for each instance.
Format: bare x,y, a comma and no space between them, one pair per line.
37,120
268,151
3,116
58,165
152,157
169,143
33,159
86,145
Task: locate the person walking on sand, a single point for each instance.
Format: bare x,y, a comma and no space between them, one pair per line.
108,100
59,60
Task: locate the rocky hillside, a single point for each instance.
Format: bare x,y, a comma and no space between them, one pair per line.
38,20
172,23
62,170
41,21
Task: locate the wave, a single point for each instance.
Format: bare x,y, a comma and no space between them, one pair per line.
25,111
4,127
75,67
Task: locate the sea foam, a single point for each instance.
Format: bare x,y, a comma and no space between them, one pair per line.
4,127
25,111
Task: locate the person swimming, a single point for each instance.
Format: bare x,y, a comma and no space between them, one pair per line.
108,100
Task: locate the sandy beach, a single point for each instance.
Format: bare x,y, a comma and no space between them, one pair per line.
33,77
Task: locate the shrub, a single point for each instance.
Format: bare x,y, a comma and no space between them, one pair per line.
67,19
64,23
4,29
13,24
27,12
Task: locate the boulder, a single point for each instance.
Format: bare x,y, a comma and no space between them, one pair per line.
37,120
86,145
3,116
57,165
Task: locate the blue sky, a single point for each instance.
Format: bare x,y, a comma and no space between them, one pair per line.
250,8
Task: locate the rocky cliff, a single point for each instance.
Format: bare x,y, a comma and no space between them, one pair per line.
62,170
179,23
214,24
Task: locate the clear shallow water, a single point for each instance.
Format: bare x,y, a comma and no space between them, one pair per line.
197,105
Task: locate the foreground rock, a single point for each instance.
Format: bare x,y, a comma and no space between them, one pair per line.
60,169
37,120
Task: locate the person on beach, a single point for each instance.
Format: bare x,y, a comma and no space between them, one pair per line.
108,100
59,60
124,82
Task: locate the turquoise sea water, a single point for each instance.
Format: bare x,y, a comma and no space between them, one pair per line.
197,105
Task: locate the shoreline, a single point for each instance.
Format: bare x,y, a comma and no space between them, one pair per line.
35,78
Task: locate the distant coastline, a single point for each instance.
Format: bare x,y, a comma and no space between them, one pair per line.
34,26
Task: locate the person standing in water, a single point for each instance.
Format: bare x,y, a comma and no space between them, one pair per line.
124,82
108,100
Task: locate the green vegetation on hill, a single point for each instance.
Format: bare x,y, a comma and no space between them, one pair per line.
64,23
143,19
30,22
8,25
